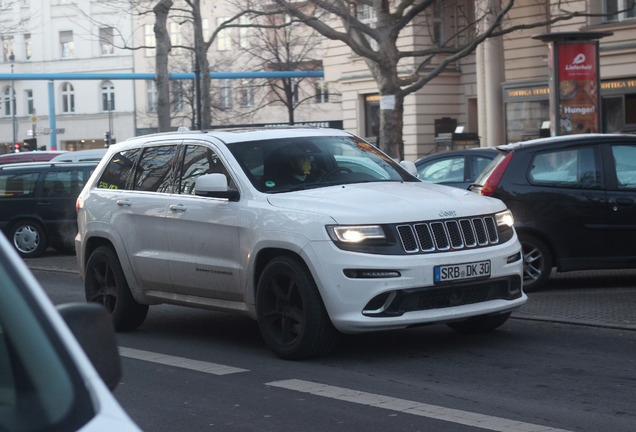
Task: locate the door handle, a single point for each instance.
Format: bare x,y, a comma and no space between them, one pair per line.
124,203
624,201
177,207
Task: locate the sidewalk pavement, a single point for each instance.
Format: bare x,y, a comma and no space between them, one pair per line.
604,298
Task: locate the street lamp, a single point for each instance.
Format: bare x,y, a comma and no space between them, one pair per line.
12,58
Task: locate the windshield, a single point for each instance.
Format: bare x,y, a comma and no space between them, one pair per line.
283,165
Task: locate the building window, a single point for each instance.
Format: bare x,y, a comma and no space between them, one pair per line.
8,102
68,98
205,27
618,10
290,30
67,49
30,104
7,48
295,91
223,37
247,93
226,94
28,50
108,96
175,37
151,94
106,41
366,15
322,92
177,96
149,40
245,33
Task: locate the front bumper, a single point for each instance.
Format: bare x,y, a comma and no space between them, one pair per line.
411,297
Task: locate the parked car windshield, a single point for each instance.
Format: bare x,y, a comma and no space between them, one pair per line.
283,165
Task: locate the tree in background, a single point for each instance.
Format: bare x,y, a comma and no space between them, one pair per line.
401,44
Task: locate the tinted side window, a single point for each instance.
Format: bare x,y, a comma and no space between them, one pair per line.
577,168
18,185
200,160
155,168
625,163
444,170
118,172
63,183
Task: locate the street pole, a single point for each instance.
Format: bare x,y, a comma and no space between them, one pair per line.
110,120
12,58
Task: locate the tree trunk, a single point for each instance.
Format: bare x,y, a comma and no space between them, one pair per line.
161,10
200,52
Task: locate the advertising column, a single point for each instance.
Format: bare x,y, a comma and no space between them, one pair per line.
578,88
573,61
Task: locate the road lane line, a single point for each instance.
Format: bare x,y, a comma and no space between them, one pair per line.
180,362
411,407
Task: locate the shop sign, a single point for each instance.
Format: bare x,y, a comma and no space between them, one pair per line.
578,81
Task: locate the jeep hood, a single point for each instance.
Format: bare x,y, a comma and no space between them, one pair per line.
387,202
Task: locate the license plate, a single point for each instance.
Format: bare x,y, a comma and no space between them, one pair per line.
464,271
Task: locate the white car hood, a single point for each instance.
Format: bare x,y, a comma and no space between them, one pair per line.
387,202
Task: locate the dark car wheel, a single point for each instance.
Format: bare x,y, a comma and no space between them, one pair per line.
480,324
105,283
291,316
29,238
537,262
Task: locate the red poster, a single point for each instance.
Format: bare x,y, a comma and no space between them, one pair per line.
578,101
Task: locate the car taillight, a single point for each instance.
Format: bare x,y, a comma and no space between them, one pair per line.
78,204
493,180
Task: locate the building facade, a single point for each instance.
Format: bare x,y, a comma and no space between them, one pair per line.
500,93
61,37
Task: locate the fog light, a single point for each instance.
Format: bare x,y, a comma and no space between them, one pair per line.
513,258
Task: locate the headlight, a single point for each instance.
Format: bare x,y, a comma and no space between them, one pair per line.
356,234
505,219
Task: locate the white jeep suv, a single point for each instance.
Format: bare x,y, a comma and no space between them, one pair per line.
312,232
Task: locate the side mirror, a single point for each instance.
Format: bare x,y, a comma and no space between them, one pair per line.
214,186
92,327
410,167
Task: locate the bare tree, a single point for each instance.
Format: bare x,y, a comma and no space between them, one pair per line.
373,30
162,37
279,44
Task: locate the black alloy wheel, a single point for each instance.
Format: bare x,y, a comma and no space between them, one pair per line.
291,316
106,284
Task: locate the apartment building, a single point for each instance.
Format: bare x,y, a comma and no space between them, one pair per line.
499,93
61,37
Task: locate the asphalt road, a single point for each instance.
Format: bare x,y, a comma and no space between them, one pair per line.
553,367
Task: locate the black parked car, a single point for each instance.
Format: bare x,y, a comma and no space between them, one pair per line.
37,204
574,201
457,168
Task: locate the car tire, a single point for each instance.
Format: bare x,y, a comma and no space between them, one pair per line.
291,315
480,324
537,262
106,284
29,238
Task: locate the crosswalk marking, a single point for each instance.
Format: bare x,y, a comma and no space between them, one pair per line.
180,362
411,407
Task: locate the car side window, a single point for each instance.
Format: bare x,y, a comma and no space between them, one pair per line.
199,160
576,168
155,169
62,183
18,185
480,164
625,163
443,170
119,170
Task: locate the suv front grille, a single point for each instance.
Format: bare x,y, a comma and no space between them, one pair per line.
448,235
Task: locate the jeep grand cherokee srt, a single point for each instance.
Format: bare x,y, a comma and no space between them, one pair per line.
312,232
